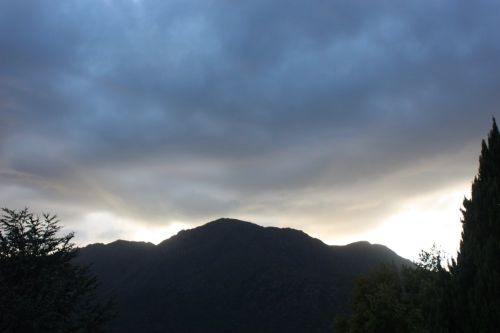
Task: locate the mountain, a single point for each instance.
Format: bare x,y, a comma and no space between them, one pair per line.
231,276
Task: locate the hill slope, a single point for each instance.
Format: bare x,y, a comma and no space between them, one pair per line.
231,276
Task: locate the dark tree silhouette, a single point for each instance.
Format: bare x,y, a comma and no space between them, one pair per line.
396,299
41,290
476,272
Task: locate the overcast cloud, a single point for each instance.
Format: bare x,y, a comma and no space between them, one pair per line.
320,115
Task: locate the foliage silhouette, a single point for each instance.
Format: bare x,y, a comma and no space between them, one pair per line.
41,290
476,272
398,299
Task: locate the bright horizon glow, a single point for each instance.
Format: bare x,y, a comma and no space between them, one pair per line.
158,234
419,223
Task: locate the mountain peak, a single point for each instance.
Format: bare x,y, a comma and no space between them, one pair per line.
230,221
265,279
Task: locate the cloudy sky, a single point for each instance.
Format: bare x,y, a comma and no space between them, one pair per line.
347,119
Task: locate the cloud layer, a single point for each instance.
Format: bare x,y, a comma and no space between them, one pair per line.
322,115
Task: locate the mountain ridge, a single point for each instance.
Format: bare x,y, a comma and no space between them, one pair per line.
230,275
231,220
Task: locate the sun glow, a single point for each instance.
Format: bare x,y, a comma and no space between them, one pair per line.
157,234
423,221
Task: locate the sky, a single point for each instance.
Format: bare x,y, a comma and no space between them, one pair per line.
350,120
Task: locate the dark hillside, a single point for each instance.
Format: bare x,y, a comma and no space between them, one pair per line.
231,276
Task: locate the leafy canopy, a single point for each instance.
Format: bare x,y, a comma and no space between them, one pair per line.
41,290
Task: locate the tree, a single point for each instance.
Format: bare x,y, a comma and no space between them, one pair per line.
476,272
377,302
427,285
41,290
400,299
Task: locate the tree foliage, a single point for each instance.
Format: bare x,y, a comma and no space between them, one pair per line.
398,299
378,302
40,289
476,272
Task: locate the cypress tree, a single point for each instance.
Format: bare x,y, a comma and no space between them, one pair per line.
476,272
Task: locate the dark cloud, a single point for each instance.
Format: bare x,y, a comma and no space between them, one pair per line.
194,109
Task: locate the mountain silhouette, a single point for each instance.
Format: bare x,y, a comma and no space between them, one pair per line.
231,276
